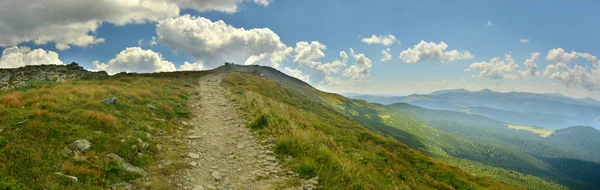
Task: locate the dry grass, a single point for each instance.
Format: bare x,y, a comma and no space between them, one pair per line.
543,132
39,121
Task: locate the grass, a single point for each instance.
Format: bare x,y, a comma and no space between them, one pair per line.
39,121
543,132
345,155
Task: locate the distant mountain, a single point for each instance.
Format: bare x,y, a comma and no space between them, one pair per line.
543,110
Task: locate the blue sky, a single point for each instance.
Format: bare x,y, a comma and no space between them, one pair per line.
342,25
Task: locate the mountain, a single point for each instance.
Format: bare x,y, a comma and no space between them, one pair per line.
542,110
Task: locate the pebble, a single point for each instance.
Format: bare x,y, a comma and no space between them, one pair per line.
194,155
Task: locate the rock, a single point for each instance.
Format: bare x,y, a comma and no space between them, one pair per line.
98,132
159,147
194,164
186,85
145,145
217,175
211,187
271,159
198,187
110,100
269,152
290,172
3,85
152,107
68,151
5,78
126,166
81,145
194,155
71,178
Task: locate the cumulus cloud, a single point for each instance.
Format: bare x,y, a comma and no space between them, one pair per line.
45,22
496,68
386,56
263,2
191,66
532,68
305,52
432,51
560,55
297,74
381,39
14,57
135,59
577,76
524,41
361,69
217,42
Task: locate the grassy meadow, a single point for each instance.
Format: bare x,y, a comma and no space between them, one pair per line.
39,121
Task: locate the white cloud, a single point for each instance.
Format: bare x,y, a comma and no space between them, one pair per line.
305,52
560,55
431,51
74,23
532,68
386,56
524,41
263,2
381,39
489,23
361,69
191,66
14,57
496,68
135,59
216,42
297,74
577,76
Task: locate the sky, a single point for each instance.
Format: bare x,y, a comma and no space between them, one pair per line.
390,47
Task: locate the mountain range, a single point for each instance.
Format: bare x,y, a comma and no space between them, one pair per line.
552,111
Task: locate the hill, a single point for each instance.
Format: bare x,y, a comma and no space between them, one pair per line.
542,110
99,133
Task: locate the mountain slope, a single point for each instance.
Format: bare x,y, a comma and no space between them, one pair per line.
321,141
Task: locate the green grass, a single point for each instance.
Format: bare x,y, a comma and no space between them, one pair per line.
345,155
40,120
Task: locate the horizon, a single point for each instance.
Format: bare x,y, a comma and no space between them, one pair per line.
473,46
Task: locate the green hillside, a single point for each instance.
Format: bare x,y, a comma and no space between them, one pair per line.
318,140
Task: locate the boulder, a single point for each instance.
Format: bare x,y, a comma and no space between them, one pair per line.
81,145
125,165
110,100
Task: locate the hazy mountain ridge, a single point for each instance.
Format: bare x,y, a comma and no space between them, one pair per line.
542,110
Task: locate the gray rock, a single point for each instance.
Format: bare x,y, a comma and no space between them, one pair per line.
194,155
152,107
81,145
145,145
5,78
68,151
217,175
110,100
126,166
72,178
3,85
194,164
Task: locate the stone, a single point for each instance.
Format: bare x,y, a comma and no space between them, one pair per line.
5,78
194,164
110,100
71,178
152,107
269,152
126,166
159,147
194,155
198,187
290,172
68,151
217,175
3,85
81,145
271,159
186,85
145,145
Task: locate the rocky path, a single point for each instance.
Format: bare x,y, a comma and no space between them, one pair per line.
222,152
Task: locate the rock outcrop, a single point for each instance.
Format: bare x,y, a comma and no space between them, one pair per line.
19,77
